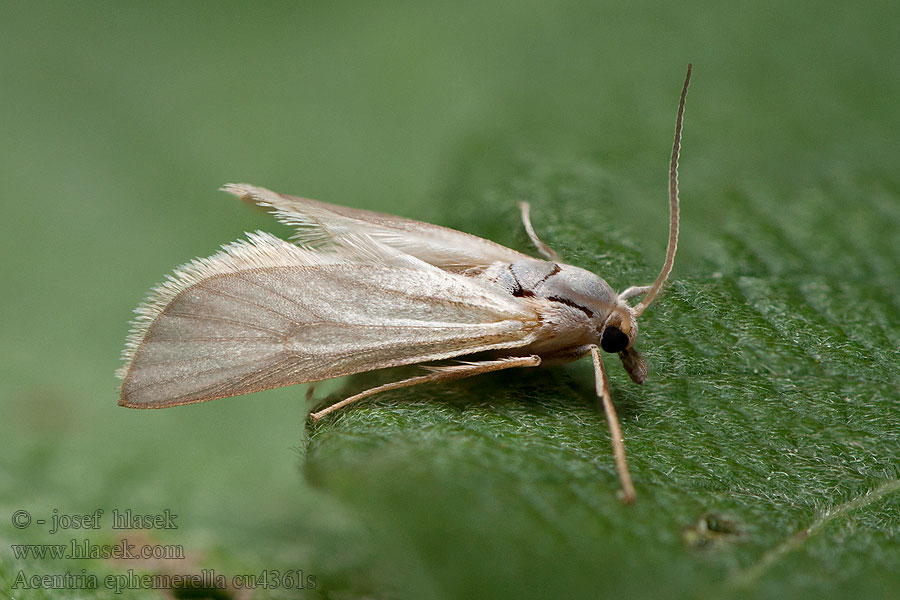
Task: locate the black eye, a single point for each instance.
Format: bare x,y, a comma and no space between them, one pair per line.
613,339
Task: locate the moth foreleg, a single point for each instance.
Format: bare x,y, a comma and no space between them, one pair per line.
444,373
548,252
635,290
615,430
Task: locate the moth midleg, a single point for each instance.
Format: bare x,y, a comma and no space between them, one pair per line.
635,290
615,430
547,252
438,374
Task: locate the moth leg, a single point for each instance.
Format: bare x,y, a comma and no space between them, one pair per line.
437,374
545,250
635,290
615,431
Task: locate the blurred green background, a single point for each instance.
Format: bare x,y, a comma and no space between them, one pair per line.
773,399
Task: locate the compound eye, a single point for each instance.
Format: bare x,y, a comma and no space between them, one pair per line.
613,339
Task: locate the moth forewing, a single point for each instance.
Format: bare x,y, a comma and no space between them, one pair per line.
266,313
322,225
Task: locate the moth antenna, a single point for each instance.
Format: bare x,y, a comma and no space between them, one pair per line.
673,206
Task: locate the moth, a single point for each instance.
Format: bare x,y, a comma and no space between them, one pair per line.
357,290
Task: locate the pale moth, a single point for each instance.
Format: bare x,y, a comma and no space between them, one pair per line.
359,290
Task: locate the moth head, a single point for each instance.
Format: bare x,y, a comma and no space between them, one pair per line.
620,329
619,336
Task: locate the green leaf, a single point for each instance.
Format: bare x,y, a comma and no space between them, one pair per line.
764,446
